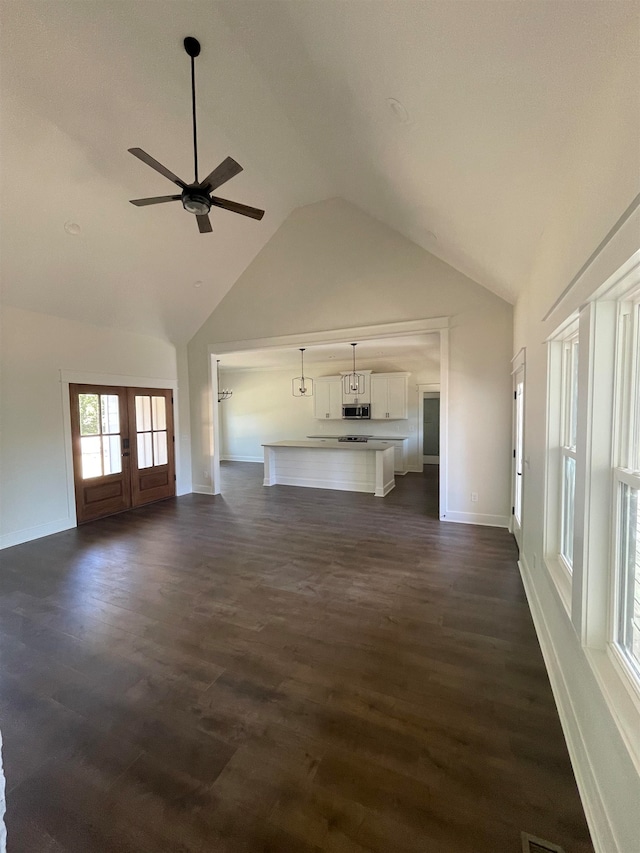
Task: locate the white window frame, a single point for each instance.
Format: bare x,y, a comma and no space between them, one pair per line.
625,472
568,441
594,587
561,419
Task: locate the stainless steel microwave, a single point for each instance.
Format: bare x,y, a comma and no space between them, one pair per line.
356,412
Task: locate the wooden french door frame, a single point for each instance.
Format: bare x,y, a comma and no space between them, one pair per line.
123,453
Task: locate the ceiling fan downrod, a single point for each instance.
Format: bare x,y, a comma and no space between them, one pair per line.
192,46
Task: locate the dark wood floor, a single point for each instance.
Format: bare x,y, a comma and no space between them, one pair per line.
281,670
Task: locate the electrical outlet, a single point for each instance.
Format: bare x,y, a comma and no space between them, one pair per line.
474,497
206,474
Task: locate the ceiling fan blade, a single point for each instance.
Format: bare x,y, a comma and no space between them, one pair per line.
148,159
204,224
221,174
142,202
236,207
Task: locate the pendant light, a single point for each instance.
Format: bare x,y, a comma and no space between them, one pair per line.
302,386
353,383
222,394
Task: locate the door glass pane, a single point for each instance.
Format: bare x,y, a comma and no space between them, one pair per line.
143,414
158,405
111,454
91,447
89,411
110,413
145,456
160,448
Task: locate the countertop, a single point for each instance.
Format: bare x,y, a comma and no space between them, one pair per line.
370,437
331,444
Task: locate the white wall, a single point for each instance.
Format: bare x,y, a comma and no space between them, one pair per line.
330,266
263,409
602,178
33,462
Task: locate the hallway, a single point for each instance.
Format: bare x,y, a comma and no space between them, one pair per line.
278,669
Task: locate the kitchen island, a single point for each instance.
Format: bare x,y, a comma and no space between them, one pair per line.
330,464
400,443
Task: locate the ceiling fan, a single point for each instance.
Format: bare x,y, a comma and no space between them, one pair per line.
196,198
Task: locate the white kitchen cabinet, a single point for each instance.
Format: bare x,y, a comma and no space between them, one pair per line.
327,398
389,396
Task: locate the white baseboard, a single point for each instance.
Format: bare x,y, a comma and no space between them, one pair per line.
27,534
199,489
385,489
477,518
594,807
242,459
431,460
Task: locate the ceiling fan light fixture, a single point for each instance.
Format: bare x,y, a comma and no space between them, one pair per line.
196,203
196,197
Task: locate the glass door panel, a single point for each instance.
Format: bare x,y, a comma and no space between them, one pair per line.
153,469
99,425
99,419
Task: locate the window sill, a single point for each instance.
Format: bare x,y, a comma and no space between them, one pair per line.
621,696
561,577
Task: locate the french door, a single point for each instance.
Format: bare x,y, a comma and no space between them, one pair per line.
123,448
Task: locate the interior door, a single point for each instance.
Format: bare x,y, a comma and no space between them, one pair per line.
123,448
99,430
518,454
152,457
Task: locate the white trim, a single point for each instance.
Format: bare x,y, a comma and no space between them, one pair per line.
444,423
518,361
232,458
362,333
595,810
478,518
430,460
561,577
614,251
199,489
27,534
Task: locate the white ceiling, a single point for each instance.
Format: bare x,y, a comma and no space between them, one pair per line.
297,93
410,352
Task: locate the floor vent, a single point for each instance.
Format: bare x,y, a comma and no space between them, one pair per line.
531,844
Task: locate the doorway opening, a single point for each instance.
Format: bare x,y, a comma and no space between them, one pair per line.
431,427
123,448
259,372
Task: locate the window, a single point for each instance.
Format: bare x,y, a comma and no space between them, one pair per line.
561,461
569,426
626,488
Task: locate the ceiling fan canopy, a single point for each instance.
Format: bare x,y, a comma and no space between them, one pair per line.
197,197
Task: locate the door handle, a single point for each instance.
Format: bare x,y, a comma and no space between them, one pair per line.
126,454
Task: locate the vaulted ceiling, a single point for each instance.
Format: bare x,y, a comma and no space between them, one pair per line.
491,98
